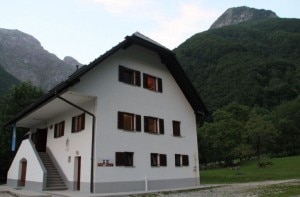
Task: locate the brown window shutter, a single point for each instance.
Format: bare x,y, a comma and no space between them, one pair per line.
138,123
185,160
176,128
55,130
63,128
128,161
145,76
121,71
177,160
120,159
137,78
146,124
73,124
159,83
83,121
163,160
120,120
153,158
161,126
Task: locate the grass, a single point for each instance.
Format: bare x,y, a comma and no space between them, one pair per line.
282,190
282,168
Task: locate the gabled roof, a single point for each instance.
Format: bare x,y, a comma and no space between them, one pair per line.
167,56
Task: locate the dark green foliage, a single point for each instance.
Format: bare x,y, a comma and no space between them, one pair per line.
255,63
6,81
286,117
13,102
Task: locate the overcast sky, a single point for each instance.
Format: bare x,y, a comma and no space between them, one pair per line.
85,29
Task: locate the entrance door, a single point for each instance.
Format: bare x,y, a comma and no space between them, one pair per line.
23,173
40,140
77,172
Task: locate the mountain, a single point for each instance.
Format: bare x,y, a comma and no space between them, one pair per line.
23,56
71,61
241,14
256,63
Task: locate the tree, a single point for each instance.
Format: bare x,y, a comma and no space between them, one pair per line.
286,119
260,133
18,97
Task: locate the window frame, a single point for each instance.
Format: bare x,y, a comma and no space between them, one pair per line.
59,129
158,87
78,123
124,159
158,160
181,160
135,76
176,128
158,127
135,124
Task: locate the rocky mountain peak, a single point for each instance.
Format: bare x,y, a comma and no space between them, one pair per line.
71,61
23,56
241,14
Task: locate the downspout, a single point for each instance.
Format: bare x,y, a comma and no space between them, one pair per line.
13,142
93,138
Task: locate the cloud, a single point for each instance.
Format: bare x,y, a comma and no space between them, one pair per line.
192,18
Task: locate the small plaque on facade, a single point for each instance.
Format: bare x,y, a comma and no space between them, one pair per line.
105,163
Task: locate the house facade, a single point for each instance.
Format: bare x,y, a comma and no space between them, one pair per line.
125,122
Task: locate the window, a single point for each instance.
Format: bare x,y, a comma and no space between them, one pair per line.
152,83
176,128
78,123
181,160
129,122
59,129
158,159
153,125
124,158
129,76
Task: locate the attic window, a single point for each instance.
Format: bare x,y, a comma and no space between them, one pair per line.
129,76
152,83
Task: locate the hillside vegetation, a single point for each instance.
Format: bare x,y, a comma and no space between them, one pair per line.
254,63
6,81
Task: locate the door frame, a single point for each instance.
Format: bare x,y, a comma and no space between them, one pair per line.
77,172
22,173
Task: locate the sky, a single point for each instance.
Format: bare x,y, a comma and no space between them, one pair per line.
85,29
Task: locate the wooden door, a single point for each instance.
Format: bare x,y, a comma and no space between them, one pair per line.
23,173
40,140
77,172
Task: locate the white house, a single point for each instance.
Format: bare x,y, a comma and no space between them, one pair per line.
125,122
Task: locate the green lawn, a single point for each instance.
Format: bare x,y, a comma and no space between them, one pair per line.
282,190
282,168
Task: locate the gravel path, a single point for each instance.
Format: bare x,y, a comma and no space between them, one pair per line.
232,190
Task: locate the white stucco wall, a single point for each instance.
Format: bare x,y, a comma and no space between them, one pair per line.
114,96
79,144
34,171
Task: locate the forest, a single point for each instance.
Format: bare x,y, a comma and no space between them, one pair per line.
248,75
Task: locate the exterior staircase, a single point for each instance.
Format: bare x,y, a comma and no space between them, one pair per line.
53,180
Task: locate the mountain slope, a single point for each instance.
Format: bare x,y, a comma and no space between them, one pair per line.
256,63
23,56
237,15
